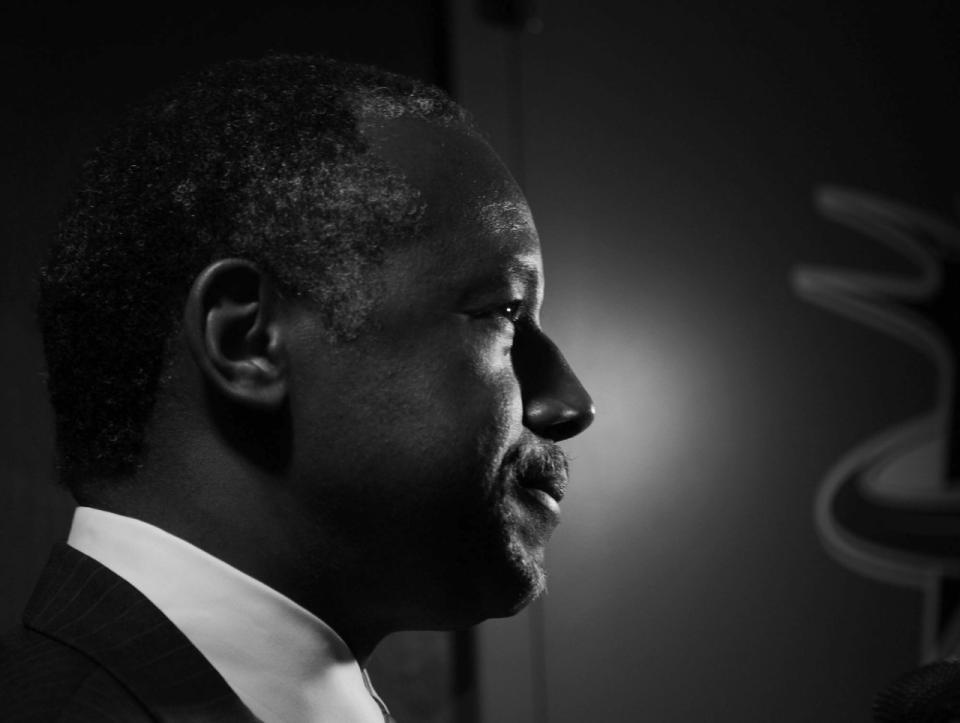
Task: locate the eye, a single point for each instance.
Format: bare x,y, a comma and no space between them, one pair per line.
511,311
501,316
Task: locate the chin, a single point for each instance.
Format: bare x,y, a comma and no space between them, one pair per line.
510,576
488,596
520,584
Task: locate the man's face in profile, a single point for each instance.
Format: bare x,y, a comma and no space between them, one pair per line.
415,453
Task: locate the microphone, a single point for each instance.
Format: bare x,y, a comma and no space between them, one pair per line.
929,694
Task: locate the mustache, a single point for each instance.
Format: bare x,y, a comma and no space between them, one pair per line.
538,464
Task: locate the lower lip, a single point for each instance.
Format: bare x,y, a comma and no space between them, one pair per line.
542,498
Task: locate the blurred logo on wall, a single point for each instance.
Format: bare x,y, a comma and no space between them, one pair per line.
890,508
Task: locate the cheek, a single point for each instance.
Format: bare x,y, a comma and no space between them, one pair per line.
458,410
488,409
483,383
448,393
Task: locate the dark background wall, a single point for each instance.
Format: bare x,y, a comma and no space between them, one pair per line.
670,151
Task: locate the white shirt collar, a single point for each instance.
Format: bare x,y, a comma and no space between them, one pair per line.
284,663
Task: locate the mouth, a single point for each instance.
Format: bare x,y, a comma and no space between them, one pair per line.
541,475
546,484
543,499
551,487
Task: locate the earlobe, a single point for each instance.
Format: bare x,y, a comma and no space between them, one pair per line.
232,329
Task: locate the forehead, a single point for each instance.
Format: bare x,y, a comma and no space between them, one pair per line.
473,205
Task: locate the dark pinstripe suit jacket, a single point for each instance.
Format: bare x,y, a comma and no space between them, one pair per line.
92,648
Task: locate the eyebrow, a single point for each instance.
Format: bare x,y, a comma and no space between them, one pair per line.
523,270
505,273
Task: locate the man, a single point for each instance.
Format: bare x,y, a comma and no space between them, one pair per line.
302,395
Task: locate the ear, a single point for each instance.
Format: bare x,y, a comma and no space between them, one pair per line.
233,331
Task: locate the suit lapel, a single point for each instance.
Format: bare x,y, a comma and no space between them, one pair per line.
85,605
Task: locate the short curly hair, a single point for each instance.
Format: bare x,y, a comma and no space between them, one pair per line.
262,159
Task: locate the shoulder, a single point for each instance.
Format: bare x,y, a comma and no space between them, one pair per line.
42,679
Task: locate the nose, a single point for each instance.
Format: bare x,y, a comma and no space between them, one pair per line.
555,404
